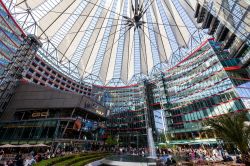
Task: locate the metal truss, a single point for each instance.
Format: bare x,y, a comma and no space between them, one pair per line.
17,68
139,24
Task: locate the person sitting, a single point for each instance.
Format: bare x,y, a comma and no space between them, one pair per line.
159,161
19,159
1,154
238,160
30,161
227,157
209,158
9,163
173,160
168,162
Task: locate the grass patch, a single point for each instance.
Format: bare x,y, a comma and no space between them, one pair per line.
53,161
72,159
78,159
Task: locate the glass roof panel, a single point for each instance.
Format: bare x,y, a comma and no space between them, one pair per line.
114,41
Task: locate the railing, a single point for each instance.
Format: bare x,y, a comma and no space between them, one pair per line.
245,57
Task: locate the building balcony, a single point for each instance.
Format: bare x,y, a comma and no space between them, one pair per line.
245,58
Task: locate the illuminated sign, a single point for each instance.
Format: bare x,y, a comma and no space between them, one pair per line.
38,114
99,112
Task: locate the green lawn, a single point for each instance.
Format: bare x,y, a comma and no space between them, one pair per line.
73,160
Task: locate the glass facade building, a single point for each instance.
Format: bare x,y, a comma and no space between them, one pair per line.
228,21
42,124
167,90
56,127
40,71
38,114
160,125
128,113
10,38
133,109
206,84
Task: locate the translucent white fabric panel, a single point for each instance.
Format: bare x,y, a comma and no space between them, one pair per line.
178,19
108,64
125,58
148,50
29,4
88,51
92,60
172,21
189,9
53,21
73,37
75,51
131,57
244,3
166,49
192,3
52,17
144,66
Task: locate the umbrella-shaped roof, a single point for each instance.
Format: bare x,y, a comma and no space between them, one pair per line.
111,42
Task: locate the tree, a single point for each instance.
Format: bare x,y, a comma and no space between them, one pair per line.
231,128
162,137
111,141
169,137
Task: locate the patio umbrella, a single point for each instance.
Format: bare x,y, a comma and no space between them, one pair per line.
24,146
8,146
40,145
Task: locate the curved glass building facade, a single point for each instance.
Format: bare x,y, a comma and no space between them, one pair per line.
129,66
205,85
127,120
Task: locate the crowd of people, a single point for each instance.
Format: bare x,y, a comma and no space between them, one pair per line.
30,156
164,156
129,151
197,155
170,156
25,159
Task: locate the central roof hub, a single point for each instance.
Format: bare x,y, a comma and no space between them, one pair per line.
137,18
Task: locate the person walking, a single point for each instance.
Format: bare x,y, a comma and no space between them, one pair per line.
1,154
19,159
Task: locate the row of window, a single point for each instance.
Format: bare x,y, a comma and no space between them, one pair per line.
208,102
204,91
213,73
181,70
206,113
127,126
45,74
12,28
194,71
42,74
132,119
238,25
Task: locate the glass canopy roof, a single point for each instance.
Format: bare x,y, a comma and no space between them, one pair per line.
110,42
